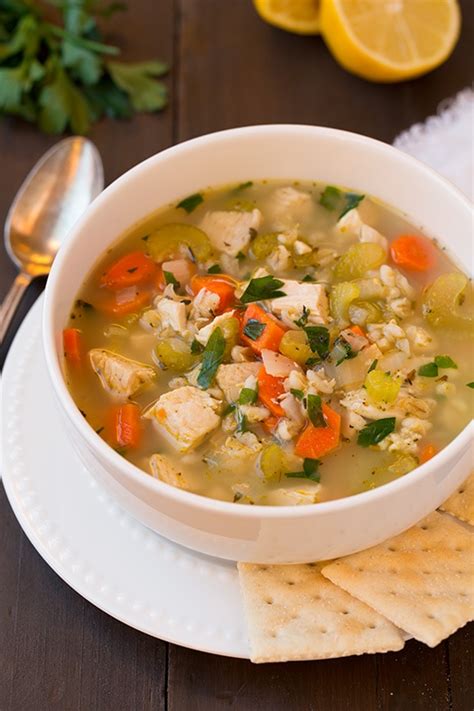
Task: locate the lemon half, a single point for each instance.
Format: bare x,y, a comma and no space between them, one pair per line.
390,40
300,16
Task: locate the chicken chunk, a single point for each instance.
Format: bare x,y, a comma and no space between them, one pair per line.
288,206
161,468
230,232
231,378
204,334
120,376
185,416
298,295
172,314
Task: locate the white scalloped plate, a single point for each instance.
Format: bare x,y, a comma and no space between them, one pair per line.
117,564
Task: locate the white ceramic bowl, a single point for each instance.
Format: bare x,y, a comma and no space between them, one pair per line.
256,533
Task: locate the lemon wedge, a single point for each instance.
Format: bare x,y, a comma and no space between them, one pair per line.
300,16
390,40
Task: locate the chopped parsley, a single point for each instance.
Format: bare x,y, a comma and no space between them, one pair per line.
266,287
470,385
318,339
240,256
229,410
342,351
444,361
215,269
247,396
196,347
429,370
171,279
254,328
373,365
190,203
334,199
298,394
242,425
243,186
330,197
352,201
310,471
212,358
308,277
315,411
376,431
303,319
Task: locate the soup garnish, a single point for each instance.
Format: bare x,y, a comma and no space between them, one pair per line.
274,344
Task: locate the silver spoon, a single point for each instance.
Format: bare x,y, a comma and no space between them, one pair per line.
53,195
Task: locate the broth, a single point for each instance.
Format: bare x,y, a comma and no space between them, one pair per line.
367,355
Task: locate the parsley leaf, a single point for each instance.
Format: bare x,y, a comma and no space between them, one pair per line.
266,287
342,351
310,471
308,277
470,385
196,347
137,79
191,203
318,339
333,198
215,269
373,365
444,361
299,394
315,411
330,197
376,431
243,186
429,370
254,328
247,396
171,279
303,319
242,424
212,358
352,201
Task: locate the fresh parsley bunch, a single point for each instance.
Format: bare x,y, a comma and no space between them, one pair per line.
56,71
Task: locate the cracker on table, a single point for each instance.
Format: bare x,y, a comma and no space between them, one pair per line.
461,503
421,580
294,613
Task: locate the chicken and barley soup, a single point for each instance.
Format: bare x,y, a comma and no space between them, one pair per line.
273,343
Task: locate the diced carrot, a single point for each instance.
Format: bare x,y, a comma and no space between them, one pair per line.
315,442
358,331
115,308
127,425
269,388
270,423
130,270
427,453
220,284
72,344
413,252
271,335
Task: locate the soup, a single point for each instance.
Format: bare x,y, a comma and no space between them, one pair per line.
274,343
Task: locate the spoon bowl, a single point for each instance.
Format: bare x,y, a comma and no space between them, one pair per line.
53,195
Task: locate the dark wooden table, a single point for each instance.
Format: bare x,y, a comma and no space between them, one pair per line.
56,650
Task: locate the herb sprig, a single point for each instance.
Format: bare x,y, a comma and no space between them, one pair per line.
266,287
61,76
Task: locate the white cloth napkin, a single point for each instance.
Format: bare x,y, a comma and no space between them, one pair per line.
446,141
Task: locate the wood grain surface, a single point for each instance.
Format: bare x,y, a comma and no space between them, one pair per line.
58,652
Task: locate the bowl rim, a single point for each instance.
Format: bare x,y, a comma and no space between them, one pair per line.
188,498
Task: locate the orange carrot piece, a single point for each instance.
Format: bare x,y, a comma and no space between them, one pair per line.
358,331
72,344
113,308
271,335
427,453
316,442
220,284
130,270
413,252
127,425
269,388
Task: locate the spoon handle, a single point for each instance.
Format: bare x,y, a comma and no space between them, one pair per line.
11,301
